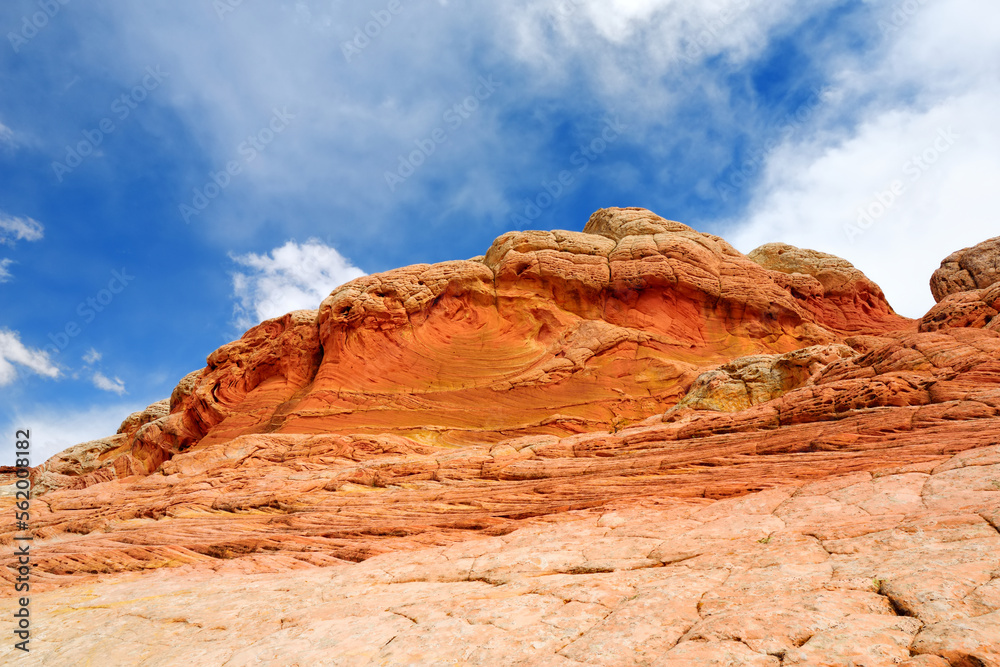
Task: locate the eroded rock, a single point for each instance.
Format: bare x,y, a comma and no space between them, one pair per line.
969,269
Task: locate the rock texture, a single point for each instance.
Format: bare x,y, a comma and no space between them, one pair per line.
967,289
749,381
899,567
631,445
974,308
973,268
835,290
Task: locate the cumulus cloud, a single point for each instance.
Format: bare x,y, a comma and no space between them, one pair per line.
13,351
913,177
92,356
104,383
292,277
19,229
904,190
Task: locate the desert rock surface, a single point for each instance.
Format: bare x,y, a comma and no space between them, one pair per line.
898,568
631,445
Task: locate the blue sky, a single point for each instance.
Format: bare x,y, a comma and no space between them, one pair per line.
170,173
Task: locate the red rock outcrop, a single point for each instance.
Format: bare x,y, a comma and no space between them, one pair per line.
974,308
967,289
747,381
969,269
488,410
836,292
550,332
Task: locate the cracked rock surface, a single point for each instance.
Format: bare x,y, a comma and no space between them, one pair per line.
879,569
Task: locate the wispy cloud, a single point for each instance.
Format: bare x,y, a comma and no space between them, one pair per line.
14,229
596,54
92,356
5,274
104,383
13,351
292,277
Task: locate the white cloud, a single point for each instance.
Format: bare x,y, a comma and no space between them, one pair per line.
665,29
54,429
19,229
628,47
6,135
641,58
292,277
637,58
839,198
13,230
104,383
13,351
92,356
932,80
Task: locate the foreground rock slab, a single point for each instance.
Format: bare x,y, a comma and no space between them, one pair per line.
900,568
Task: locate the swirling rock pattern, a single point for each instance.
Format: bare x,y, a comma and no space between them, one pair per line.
549,333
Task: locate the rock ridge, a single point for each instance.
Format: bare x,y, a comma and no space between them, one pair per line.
555,308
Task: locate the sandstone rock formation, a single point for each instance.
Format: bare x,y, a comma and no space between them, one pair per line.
836,291
967,289
632,445
973,268
748,381
974,308
551,332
